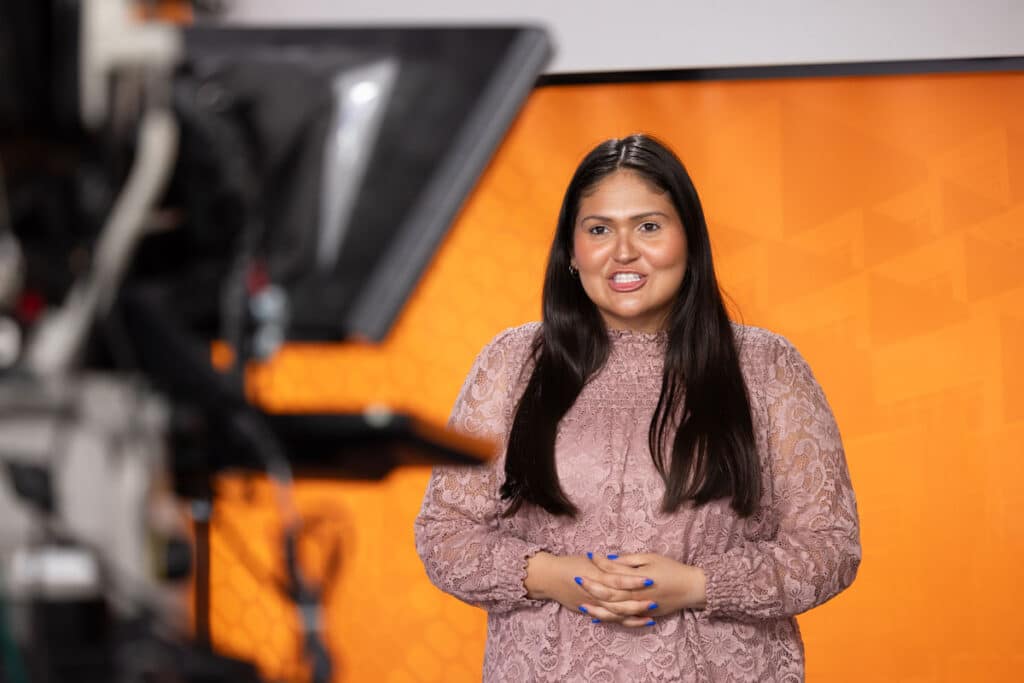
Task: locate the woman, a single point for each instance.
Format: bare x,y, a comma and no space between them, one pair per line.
672,488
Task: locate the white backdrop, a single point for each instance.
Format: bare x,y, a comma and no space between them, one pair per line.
618,35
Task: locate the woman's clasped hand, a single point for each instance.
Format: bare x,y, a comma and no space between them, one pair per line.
631,590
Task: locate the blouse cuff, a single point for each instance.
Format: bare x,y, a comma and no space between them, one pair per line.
727,588
510,560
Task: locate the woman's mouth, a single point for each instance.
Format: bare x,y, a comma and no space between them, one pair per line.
627,281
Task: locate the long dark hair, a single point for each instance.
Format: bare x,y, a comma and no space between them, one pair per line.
713,453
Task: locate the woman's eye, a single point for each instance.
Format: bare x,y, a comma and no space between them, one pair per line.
649,227
598,229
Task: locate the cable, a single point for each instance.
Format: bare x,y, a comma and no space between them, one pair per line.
230,535
238,546
56,346
304,595
268,449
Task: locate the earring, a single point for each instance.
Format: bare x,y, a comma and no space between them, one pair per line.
573,271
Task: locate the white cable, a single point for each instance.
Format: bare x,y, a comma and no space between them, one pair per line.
56,345
158,146
111,37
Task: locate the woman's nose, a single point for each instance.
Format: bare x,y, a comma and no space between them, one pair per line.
625,250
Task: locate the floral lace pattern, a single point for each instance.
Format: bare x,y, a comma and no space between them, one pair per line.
798,550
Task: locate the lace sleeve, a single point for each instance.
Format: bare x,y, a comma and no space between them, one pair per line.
459,537
816,551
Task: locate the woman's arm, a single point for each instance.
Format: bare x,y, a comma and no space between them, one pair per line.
462,547
458,534
816,551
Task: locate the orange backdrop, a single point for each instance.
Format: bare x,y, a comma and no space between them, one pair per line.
875,221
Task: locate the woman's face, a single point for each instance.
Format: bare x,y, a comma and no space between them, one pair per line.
630,249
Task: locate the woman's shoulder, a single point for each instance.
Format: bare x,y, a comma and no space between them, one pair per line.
519,335
754,337
508,354
759,346
514,339
512,345
767,357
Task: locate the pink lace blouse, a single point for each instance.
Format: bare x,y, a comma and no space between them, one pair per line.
798,550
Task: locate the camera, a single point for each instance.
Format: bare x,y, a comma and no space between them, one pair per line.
165,187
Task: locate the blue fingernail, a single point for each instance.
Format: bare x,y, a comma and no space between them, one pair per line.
650,623
652,606
648,582
578,580
595,621
613,556
583,609
590,556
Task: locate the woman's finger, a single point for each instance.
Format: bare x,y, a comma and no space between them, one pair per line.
627,565
609,563
634,560
599,614
638,622
619,576
632,608
602,593
625,582
609,566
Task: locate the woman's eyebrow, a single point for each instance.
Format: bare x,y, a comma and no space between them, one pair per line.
646,214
